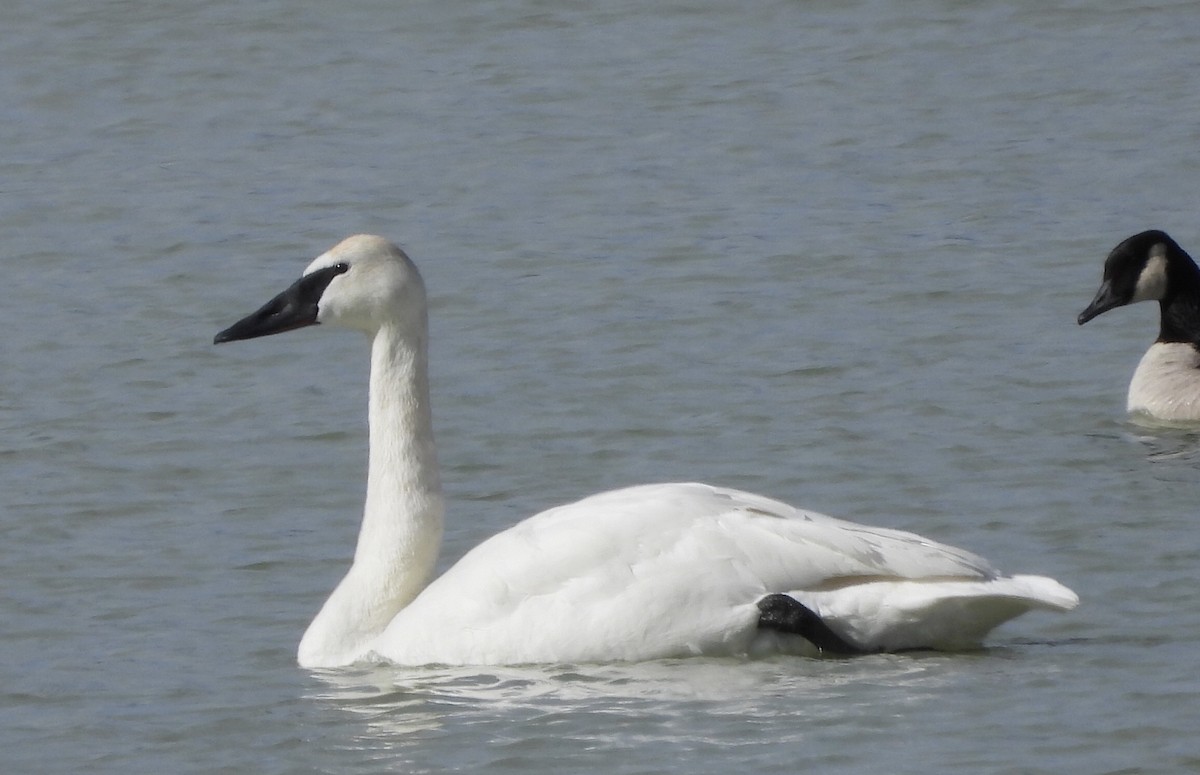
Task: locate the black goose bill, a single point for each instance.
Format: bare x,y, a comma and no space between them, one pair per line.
1106,299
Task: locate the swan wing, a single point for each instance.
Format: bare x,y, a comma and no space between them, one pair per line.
650,571
947,614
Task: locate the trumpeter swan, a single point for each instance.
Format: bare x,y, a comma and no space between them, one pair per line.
652,571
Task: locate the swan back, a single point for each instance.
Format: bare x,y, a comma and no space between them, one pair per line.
667,570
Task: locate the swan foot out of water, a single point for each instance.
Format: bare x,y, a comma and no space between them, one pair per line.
647,572
1150,266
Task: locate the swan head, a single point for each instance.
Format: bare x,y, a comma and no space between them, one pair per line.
1138,269
364,282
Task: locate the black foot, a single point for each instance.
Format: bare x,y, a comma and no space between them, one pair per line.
786,614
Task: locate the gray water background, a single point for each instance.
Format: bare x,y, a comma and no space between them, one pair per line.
830,252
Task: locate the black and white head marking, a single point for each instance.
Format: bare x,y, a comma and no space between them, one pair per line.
1152,280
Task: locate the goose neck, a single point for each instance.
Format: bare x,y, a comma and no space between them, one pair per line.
1179,319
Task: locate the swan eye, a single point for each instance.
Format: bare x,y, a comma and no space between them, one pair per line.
341,267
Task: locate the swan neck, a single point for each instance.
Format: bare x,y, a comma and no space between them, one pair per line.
402,463
401,529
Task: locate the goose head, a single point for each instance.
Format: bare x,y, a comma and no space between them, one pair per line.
1149,266
364,282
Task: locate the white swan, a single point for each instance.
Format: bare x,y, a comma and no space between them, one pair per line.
660,570
1151,266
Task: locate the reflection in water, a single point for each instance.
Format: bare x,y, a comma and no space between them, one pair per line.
693,679
400,709
1169,443
392,719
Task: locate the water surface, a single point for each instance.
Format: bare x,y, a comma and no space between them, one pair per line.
830,252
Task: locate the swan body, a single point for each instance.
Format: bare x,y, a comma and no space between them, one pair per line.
645,572
1150,266
670,570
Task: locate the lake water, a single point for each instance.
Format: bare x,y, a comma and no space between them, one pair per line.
830,252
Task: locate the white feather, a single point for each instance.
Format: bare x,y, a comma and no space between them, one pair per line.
658,570
1166,383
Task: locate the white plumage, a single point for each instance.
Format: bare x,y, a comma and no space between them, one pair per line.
668,570
652,571
1166,383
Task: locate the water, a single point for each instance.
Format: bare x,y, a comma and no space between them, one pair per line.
831,252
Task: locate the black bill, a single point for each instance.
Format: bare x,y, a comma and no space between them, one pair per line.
294,308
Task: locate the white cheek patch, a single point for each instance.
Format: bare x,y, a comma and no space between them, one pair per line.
1152,282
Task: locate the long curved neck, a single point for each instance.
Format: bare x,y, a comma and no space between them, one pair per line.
402,519
404,491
